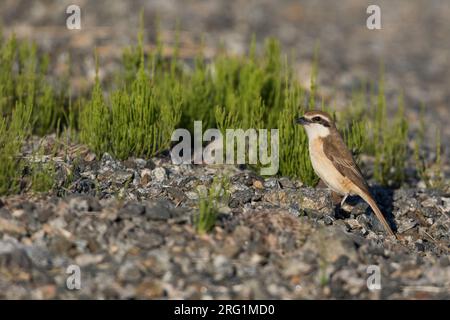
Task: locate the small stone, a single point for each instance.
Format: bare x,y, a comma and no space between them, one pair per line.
421,185
257,184
85,185
89,157
84,204
296,267
240,198
192,195
230,249
277,197
47,292
271,183
420,246
242,234
150,164
12,255
314,199
338,244
146,176
294,211
150,289
60,245
429,202
353,223
175,194
44,214
10,227
444,261
129,272
132,209
313,214
106,157
122,177
404,226
360,208
446,204
159,174
150,240
158,211
286,183
84,260
245,178
130,164
140,163
328,220
223,268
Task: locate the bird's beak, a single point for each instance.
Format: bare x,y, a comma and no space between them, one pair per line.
302,121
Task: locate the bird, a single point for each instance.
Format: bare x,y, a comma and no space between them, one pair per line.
333,162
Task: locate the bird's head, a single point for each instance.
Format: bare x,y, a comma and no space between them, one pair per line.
316,123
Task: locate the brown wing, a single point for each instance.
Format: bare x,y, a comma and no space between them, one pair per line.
336,150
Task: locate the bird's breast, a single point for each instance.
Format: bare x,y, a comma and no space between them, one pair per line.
326,170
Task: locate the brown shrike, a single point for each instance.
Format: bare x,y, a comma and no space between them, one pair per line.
334,163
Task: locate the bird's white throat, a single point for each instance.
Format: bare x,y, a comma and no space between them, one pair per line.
315,130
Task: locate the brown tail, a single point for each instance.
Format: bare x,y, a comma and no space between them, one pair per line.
378,213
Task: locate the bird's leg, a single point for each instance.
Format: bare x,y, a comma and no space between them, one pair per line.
340,213
343,199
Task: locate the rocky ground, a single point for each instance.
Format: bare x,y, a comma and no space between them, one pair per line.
129,227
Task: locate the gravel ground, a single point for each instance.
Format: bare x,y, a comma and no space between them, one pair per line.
129,227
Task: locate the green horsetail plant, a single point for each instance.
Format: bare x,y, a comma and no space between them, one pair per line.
8,58
23,78
367,129
262,93
42,176
354,124
207,216
439,182
248,87
199,96
142,121
94,120
391,145
138,119
419,158
355,137
9,164
13,132
430,173
209,204
294,153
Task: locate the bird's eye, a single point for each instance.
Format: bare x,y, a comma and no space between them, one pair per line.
316,119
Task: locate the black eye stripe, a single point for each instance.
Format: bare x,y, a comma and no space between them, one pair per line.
321,120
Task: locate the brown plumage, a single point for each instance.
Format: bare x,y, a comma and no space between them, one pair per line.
334,163
336,150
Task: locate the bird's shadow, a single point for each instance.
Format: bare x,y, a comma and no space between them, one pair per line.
384,198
